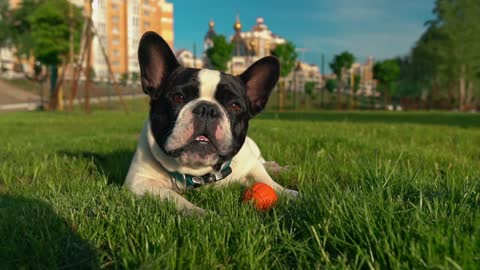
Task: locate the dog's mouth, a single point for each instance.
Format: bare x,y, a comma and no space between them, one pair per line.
201,149
203,139
202,143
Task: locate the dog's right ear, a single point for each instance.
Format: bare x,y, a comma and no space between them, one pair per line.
156,61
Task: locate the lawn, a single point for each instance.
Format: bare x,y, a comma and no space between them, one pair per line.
378,190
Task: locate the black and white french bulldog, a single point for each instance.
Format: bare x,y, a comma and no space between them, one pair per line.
196,132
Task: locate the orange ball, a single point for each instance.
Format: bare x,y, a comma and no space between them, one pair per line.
263,195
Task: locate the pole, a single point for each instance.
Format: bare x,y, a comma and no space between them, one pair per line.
110,71
68,68
352,81
88,68
70,15
295,89
194,55
282,94
323,79
78,66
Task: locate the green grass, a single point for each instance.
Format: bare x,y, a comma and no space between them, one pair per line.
378,190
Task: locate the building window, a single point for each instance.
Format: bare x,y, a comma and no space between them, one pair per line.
167,20
146,24
116,52
115,41
115,19
115,6
146,12
146,2
101,3
101,28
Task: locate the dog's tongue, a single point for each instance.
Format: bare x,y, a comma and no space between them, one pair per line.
202,138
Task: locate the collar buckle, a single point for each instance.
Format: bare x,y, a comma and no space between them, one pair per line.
190,181
198,180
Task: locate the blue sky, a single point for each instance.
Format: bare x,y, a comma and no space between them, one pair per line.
381,28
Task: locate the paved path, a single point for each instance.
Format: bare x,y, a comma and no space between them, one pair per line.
14,99
11,95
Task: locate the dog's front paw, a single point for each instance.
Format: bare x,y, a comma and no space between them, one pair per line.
274,168
195,211
199,212
290,192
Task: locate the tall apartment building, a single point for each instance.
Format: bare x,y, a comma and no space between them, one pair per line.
368,83
120,24
14,3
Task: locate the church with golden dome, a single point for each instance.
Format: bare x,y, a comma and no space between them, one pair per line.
248,47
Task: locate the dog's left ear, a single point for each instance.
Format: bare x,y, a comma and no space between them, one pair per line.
260,78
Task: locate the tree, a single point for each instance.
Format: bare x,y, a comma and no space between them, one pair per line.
386,73
288,57
354,85
445,61
134,76
459,22
21,38
356,82
220,53
426,69
91,73
341,63
331,85
5,24
50,33
309,87
446,58
124,79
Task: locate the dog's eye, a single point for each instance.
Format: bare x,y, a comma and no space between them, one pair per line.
235,107
177,98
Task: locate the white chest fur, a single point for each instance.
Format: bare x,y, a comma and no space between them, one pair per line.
148,174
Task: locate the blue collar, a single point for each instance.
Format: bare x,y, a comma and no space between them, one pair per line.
191,182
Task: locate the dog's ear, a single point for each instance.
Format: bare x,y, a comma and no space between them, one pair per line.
260,78
156,61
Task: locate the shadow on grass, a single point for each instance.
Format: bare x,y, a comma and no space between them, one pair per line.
113,165
464,120
33,236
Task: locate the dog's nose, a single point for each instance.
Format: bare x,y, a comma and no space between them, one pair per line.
206,110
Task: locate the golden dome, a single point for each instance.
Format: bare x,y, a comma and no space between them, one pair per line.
211,23
238,25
